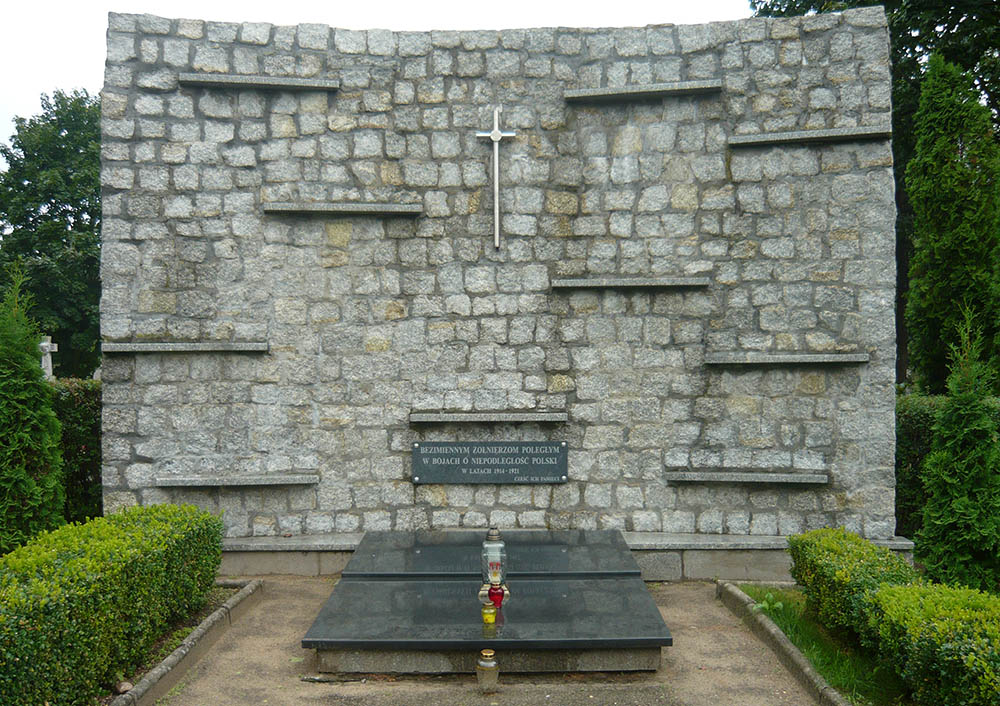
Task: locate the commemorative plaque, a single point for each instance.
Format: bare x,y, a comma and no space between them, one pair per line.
489,462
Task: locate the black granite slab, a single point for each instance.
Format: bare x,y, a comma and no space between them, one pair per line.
445,615
558,554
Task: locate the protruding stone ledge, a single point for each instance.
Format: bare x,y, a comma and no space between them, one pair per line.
486,417
190,347
235,481
755,358
804,137
637,541
641,91
647,541
747,476
631,282
339,542
344,208
273,83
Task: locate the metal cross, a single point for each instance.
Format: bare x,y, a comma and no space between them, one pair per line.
496,134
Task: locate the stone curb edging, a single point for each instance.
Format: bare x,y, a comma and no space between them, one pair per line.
763,627
160,679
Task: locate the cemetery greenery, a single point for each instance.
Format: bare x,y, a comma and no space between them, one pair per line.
50,219
857,673
915,418
837,568
77,404
960,538
953,181
31,489
943,640
82,604
914,433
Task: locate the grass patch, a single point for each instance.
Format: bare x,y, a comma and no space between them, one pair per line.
854,672
171,643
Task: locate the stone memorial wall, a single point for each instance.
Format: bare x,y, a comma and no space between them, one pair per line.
693,290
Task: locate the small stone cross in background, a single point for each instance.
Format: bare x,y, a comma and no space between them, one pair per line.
47,347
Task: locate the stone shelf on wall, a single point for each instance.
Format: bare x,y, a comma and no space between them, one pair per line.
637,541
277,83
630,282
746,476
638,92
344,208
755,358
485,417
804,137
186,347
235,481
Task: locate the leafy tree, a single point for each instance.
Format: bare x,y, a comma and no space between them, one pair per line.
954,184
965,33
31,492
960,538
50,211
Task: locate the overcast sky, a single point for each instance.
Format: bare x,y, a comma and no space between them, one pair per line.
60,44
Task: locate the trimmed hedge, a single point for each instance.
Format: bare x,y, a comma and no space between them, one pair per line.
944,641
81,604
837,569
77,404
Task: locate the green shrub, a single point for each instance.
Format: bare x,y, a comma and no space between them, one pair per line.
81,604
837,569
914,425
77,404
915,415
31,491
959,541
944,641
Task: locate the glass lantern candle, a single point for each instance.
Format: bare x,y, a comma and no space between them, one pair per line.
487,672
495,594
494,558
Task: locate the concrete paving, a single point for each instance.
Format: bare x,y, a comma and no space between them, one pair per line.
715,661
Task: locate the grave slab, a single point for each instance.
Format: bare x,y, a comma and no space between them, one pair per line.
542,614
456,555
408,602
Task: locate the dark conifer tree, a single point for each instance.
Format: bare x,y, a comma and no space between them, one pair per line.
960,538
31,490
953,181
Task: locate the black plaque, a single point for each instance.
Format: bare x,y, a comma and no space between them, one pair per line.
489,462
